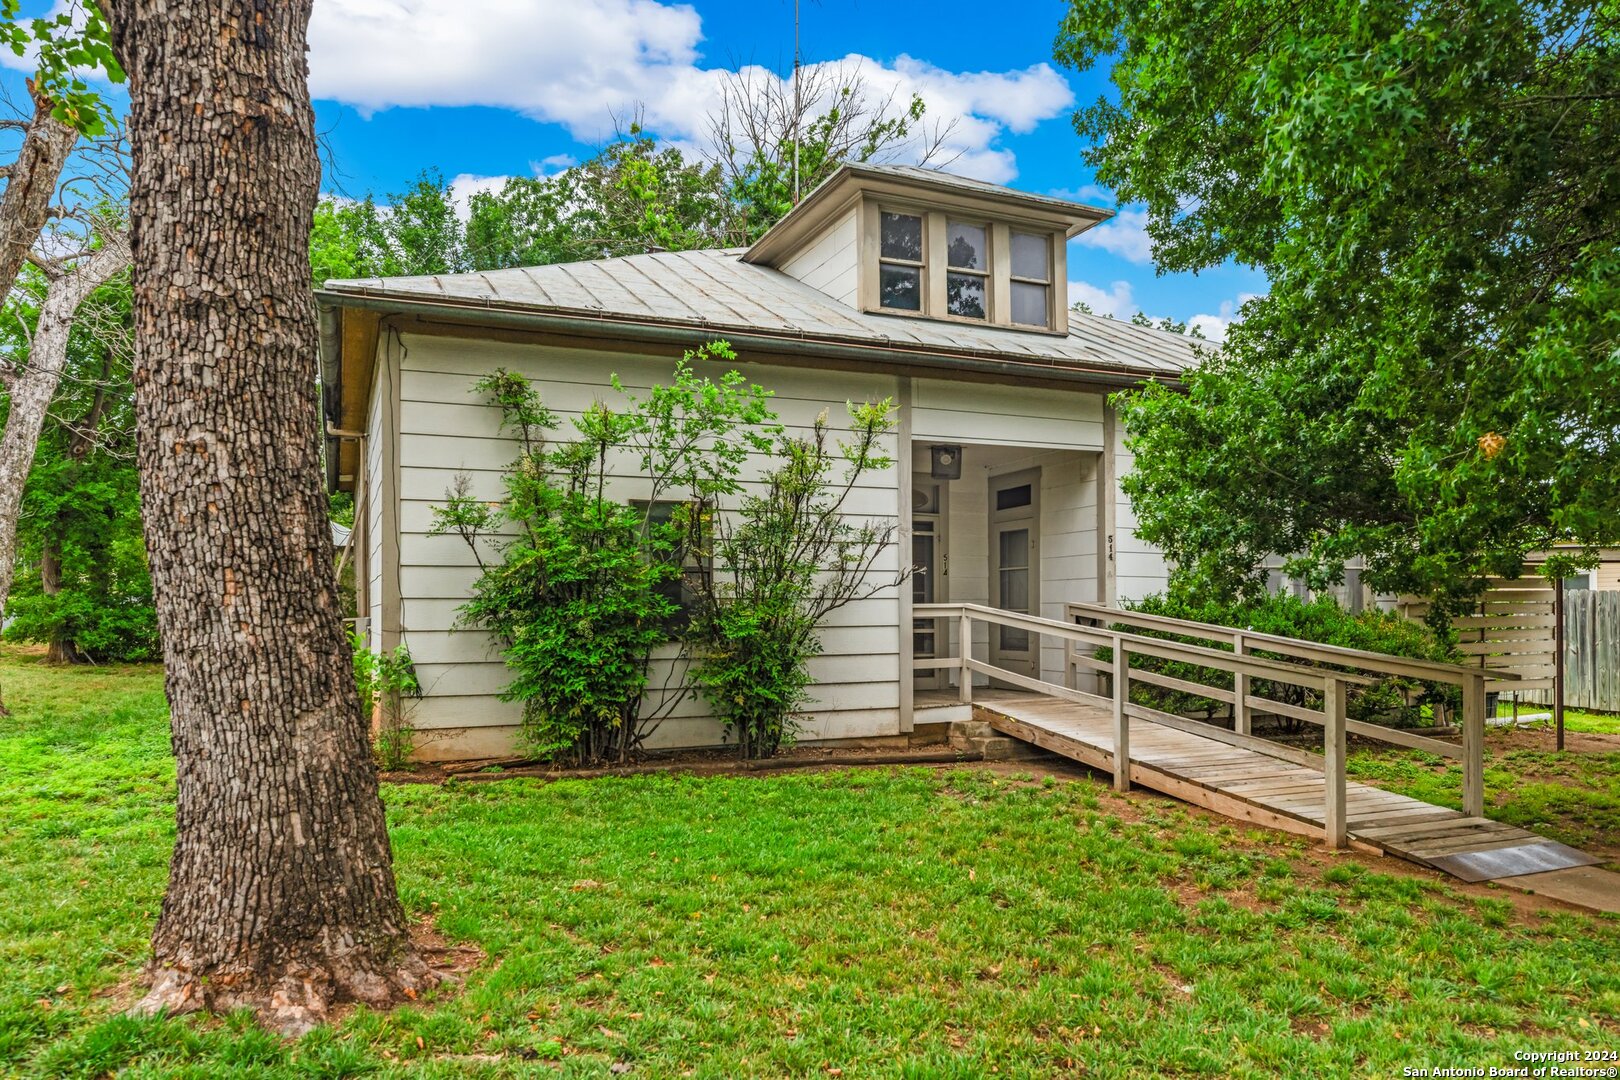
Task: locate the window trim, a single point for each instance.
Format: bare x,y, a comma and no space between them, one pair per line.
987,275
920,265
1014,279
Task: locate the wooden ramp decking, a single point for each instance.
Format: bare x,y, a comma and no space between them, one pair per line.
1253,786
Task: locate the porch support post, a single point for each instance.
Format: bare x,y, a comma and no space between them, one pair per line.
1241,720
1333,751
1473,718
903,467
1122,723
965,645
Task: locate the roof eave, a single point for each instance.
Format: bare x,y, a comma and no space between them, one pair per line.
649,329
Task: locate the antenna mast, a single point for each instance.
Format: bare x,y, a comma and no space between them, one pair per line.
798,107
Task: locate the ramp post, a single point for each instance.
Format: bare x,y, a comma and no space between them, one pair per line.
1473,744
965,645
1122,723
1333,751
1240,691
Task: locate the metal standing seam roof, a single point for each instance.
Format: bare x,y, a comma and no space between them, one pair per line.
713,290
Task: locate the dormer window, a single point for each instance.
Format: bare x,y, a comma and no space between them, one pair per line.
967,276
900,269
1031,278
910,243
951,264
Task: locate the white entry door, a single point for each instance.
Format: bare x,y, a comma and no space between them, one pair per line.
1015,516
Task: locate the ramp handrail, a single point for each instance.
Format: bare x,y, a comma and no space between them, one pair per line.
1334,686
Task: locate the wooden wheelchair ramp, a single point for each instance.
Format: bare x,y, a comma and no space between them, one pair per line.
1281,792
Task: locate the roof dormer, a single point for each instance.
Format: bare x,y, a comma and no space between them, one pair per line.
916,243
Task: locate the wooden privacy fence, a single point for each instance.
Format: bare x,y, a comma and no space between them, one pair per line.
1090,628
1510,634
1591,652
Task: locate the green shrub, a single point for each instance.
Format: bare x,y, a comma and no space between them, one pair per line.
784,561
386,680
579,588
1391,700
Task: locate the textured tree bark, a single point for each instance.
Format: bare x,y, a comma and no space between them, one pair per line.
33,388
281,892
62,650
30,186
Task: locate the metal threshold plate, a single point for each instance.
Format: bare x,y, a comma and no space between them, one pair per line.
1530,858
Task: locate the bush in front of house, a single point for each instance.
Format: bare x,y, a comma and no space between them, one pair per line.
1392,701
639,534
575,577
784,560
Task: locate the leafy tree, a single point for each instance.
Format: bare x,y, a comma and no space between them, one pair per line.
69,41
84,589
631,198
774,145
1434,192
417,232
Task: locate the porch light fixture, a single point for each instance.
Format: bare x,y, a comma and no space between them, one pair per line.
945,462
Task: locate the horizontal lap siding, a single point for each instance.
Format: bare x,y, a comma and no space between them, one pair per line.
446,429
828,263
1139,567
1006,415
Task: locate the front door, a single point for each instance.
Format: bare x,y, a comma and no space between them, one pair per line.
1015,516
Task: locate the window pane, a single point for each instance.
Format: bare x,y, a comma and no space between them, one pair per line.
1013,639
902,237
1014,545
964,295
1015,590
1032,256
900,287
1029,304
1014,497
965,247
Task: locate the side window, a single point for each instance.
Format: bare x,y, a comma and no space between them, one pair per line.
1031,279
900,261
967,276
682,590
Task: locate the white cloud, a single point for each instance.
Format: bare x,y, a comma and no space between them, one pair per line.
589,65
1116,300
465,185
1124,235
1091,194
1214,327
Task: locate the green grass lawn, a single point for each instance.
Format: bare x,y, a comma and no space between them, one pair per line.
887,923
1595,723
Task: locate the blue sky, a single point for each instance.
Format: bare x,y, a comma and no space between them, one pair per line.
485,89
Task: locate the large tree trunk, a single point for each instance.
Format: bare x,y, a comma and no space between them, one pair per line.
62,648
281,891
34,387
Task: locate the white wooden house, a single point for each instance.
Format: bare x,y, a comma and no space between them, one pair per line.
944,294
